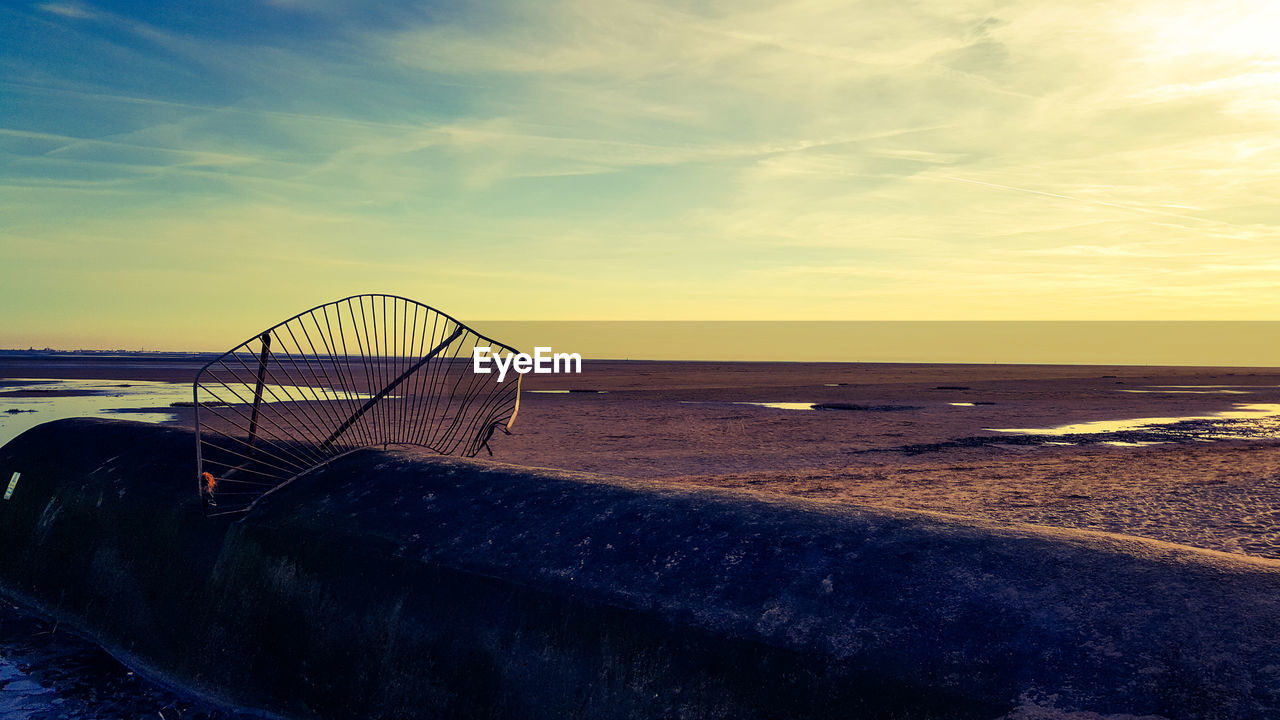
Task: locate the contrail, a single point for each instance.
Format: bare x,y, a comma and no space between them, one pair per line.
1087,201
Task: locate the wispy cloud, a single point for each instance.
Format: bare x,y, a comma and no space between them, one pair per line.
70,10
720,160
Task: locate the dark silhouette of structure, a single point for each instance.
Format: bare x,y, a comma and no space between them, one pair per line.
364,371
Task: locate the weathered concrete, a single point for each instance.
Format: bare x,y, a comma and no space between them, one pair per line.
394,586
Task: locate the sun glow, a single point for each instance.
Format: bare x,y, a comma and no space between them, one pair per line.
816,160
1234,30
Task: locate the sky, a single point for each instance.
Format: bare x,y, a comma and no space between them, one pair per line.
181,175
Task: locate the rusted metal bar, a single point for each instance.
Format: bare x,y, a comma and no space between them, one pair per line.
257,391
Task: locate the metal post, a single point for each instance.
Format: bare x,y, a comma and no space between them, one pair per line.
257,391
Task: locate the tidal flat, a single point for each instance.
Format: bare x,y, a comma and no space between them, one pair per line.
1180,454
1185,456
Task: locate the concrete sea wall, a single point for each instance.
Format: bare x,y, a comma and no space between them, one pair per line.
394,586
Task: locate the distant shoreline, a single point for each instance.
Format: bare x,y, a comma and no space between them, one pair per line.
1195,343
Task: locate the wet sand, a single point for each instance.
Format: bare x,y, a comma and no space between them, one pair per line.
904,437
1214,494
908,436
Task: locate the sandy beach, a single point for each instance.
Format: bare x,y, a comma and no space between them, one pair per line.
899,436
917,445
1185,456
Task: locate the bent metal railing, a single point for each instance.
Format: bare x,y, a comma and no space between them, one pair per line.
364,371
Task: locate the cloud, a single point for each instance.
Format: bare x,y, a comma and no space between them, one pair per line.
77,11
715,160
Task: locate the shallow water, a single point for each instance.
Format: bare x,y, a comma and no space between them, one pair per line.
85,398
772,405
1221,425
1191,392
48,674
816,406
141,400
781,405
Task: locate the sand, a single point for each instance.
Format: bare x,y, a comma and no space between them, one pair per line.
908,442
1219,495
915,437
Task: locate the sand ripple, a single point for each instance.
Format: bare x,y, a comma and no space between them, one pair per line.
1224,498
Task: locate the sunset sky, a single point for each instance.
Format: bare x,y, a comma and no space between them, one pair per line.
179,175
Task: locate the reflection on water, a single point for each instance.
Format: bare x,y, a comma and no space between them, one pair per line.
25,404
816,406
22,697
1200,387
233,393
780,405
84,398
51,674
1191,392
774,405
1241,412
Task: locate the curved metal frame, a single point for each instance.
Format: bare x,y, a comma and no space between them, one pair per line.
386,399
